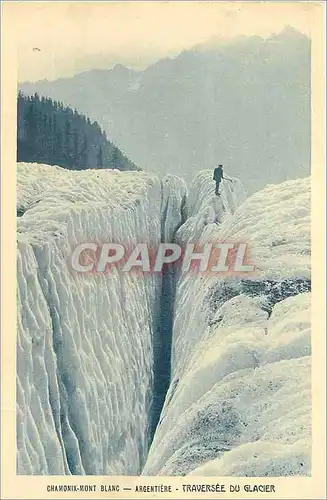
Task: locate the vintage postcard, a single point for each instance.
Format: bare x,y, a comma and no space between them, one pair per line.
163,265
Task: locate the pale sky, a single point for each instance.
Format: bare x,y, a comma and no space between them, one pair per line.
78,36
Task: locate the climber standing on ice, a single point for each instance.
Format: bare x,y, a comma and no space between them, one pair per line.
218,174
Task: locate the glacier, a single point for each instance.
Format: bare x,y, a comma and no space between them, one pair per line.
239,397
85,343
97,390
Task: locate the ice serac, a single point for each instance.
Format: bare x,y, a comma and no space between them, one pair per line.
204,210
85,362
239,400
173,206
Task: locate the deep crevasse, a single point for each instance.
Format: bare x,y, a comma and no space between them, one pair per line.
239,401
85,343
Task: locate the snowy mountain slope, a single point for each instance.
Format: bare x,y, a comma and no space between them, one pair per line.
85,342
239,397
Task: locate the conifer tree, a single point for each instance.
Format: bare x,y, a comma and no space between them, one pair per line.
49,132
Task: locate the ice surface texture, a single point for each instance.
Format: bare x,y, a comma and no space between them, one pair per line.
239,401
85,343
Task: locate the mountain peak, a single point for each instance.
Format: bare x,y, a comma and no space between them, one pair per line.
289,33
120,68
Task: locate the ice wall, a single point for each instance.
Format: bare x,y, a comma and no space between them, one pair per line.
85,342
239,401
204,210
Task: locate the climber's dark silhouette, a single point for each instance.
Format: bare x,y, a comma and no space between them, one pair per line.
218,174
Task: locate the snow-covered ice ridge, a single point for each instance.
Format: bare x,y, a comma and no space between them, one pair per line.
204,210
85,343
239,401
